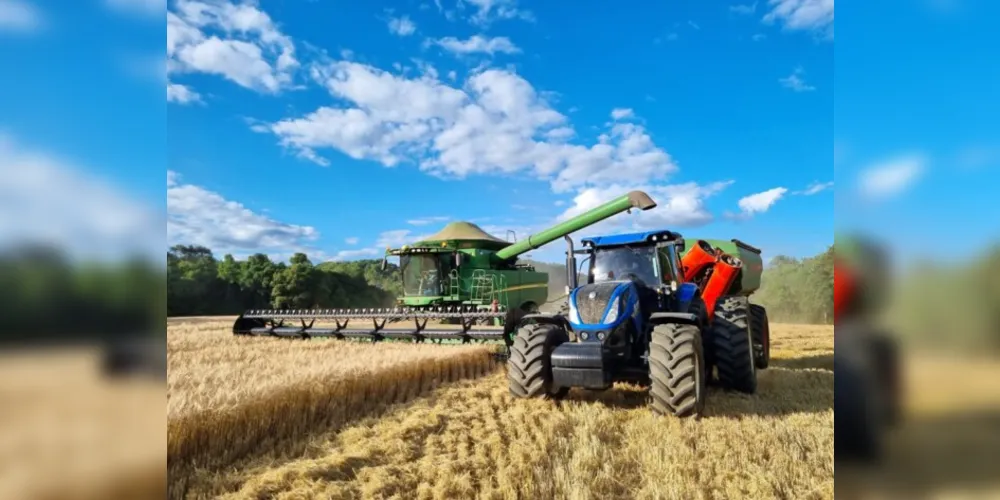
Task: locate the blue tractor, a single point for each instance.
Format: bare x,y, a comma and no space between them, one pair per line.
635,320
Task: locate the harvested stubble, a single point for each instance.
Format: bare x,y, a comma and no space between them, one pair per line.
231,396
471,440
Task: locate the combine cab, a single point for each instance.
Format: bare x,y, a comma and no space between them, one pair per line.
461,284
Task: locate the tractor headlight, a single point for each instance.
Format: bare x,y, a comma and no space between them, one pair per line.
574,315
612,315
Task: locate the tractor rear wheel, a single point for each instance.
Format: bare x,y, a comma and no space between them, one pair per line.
761,329
732,345
677,370
529,367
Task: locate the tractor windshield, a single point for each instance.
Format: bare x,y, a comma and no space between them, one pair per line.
421,275
622,263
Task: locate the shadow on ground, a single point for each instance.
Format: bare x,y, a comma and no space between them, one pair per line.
780,391
932,455
817,361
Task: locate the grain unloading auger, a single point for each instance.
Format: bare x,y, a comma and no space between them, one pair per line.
461,276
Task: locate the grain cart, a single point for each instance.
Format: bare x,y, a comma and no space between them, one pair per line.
733,269
461,275
866,360
637,320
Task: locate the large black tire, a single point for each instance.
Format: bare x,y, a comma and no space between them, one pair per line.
677,371
761,329
529,367
732,349
698,309
858,431
885,356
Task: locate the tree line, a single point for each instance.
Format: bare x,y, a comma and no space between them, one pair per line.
798,290
200,284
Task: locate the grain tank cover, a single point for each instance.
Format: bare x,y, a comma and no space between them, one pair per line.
753,263
465,235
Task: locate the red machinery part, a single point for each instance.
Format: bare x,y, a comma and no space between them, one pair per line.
723,274
698,259
844,286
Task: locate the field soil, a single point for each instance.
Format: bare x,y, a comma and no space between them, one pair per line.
277,418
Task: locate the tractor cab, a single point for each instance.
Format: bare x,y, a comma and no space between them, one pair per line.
649,260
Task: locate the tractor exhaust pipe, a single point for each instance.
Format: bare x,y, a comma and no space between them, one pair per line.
571,283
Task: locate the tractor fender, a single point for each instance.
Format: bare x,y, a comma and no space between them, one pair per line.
673,317
545,319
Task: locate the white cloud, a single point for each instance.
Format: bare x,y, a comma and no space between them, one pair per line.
237,42
355,254
197,216
477,44
19,16
758,37
622,113
761,202
182,94
496,124
142,7
891,177
50,201
402,26
743,9
489,11
677,205
427,220
815,188
353,240
795,81
803,15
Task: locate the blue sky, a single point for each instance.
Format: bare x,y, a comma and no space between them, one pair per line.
917,137
336,128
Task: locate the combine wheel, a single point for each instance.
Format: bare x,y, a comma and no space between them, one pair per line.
732,345
529,368
761,329
677,370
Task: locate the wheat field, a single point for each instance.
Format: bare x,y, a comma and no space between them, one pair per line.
277,418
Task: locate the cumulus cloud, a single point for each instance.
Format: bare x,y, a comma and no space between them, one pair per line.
796,82
182,94
477,44
490,11
197,216
353,240
402,26
427,220
19,16
802,15
51,201
622,113
761,202
815,188
236,41
497,123
743,9
891,177
677,205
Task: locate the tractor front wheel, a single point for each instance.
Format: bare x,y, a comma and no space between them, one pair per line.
677,370
529,367
732,344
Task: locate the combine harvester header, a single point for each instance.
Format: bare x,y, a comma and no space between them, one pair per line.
462,276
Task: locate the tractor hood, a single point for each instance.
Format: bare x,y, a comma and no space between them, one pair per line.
590,304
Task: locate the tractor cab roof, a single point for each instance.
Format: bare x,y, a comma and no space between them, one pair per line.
646,237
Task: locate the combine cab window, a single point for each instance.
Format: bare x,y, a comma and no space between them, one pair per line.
421,275
623,263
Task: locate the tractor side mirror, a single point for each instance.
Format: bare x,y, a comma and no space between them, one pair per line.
458,259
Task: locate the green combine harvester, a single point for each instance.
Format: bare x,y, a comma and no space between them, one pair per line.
461,284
